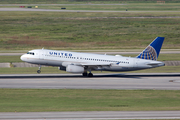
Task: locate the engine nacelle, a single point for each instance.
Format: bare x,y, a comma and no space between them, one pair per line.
74,69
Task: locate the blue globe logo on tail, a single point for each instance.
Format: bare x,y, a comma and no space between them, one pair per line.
149,53
152,50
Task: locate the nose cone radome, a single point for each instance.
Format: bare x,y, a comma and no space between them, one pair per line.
22,57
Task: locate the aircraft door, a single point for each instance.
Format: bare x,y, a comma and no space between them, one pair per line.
41,54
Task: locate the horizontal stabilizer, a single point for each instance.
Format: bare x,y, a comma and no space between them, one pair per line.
156,63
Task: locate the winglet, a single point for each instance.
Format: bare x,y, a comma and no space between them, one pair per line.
152,50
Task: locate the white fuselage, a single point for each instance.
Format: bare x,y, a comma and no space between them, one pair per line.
87,60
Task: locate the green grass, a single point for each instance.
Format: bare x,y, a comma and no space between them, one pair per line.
164,69
54,30
10,59
39,100
31,70
162,57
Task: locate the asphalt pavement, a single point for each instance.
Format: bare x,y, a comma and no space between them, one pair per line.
91,115
125,81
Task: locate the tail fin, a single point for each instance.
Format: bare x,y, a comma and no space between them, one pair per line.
152,50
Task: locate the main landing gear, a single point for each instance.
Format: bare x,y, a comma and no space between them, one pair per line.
90,75
39,71
85,74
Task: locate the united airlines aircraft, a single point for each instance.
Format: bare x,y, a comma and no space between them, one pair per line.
85,63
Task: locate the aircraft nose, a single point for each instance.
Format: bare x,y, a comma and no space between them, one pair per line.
22,57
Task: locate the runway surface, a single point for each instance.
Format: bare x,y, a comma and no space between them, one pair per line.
93,115
54,4
158,81
51,10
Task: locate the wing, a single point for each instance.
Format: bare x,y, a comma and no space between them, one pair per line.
95,66
89,65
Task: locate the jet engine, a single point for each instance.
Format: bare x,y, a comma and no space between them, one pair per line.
74,69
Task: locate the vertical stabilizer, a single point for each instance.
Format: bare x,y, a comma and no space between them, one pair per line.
152,50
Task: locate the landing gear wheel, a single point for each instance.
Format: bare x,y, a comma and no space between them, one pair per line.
38,71
85,74
90,75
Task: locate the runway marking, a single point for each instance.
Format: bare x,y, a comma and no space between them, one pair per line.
93,115
132,81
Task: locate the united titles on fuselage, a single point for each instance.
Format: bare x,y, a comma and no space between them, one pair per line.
61,54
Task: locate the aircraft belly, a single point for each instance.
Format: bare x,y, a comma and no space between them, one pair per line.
45,62
119,68
116,68
52,63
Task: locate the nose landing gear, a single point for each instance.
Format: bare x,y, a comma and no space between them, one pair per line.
39,71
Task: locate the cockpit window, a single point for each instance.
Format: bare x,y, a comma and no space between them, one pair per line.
31,53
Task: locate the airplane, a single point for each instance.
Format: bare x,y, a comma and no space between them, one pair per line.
75,62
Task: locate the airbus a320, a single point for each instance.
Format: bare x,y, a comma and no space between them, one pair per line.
85,63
